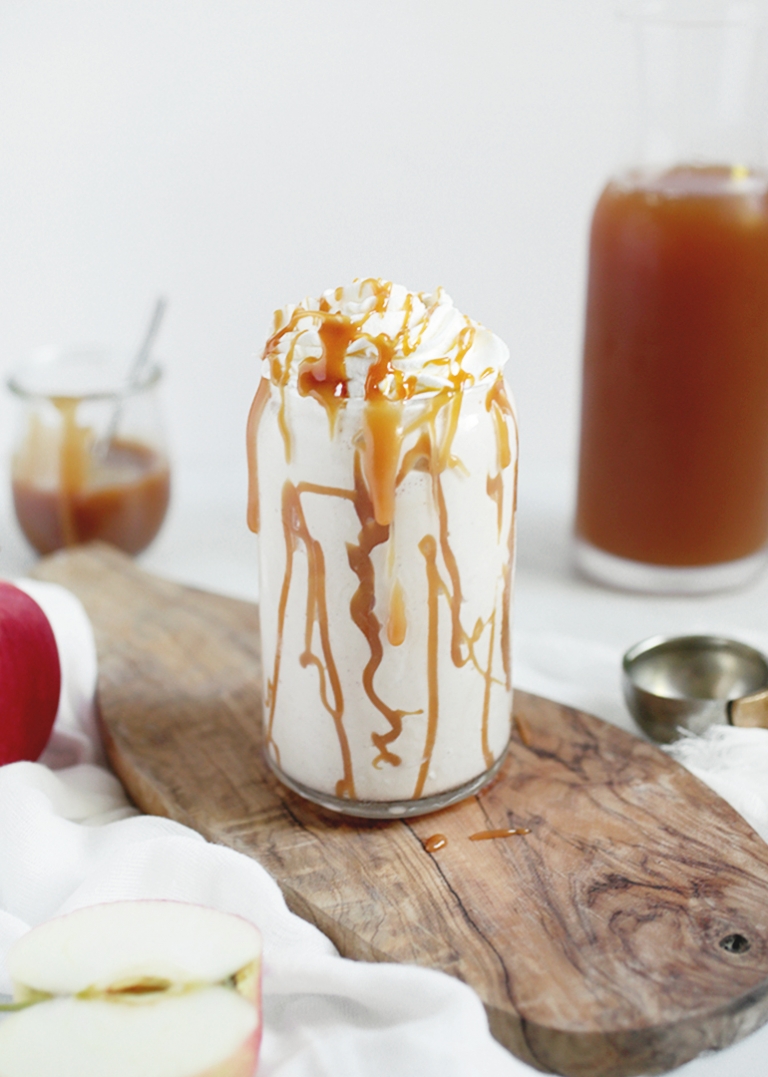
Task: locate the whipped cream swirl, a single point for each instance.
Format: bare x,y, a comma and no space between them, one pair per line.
411,342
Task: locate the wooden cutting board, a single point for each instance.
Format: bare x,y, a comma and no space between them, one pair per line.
625,934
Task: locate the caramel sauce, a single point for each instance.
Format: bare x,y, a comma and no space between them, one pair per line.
428,548
379,468
397,623
382,437
296,532
361,610
500,405
494,487
506,595
254,418
326,378
437,841
503,405
488,675
503,832
458,636
122,502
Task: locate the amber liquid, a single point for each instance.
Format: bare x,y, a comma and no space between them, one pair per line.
124,502
674,436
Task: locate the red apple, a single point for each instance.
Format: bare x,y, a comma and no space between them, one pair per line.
30,676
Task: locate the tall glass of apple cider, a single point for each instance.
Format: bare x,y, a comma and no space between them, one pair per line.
673,471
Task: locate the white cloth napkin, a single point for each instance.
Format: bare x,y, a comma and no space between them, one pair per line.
70,838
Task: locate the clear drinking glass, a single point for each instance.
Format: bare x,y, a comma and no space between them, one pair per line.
89,459
385,646
673,471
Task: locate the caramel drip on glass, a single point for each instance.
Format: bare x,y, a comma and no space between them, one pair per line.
458,635
428,455
361,610
378,471
416,458
506,599
397,622
281,381
296,532
506,595
494,487
251,433
382,438
487,754
428,548
499,403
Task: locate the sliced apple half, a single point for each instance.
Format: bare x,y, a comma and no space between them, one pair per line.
135,989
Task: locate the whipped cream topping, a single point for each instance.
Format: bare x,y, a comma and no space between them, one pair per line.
374,338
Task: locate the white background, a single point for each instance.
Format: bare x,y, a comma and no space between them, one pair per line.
236,155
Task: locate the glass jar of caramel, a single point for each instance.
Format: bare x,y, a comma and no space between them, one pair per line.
89,459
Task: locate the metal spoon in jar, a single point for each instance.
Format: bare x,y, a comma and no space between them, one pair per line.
135,371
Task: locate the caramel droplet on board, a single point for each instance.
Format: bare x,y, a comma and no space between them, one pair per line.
505,832
437,841
397,625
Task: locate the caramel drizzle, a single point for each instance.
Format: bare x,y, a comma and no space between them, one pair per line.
397,623
431,454
498,399
325,380
296,531
499,403
494,487
428,548
251,432
487,754
425,455
453,594
361,609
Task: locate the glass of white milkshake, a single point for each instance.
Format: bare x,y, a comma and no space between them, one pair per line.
382,447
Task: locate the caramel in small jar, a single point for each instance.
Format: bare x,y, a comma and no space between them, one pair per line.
65,493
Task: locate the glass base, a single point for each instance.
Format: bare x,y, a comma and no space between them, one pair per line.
662,580
390,809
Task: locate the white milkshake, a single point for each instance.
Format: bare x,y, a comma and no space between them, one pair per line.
383,459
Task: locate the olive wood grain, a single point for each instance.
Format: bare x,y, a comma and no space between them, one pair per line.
625,934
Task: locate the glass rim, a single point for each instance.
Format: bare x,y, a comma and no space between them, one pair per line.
148,378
